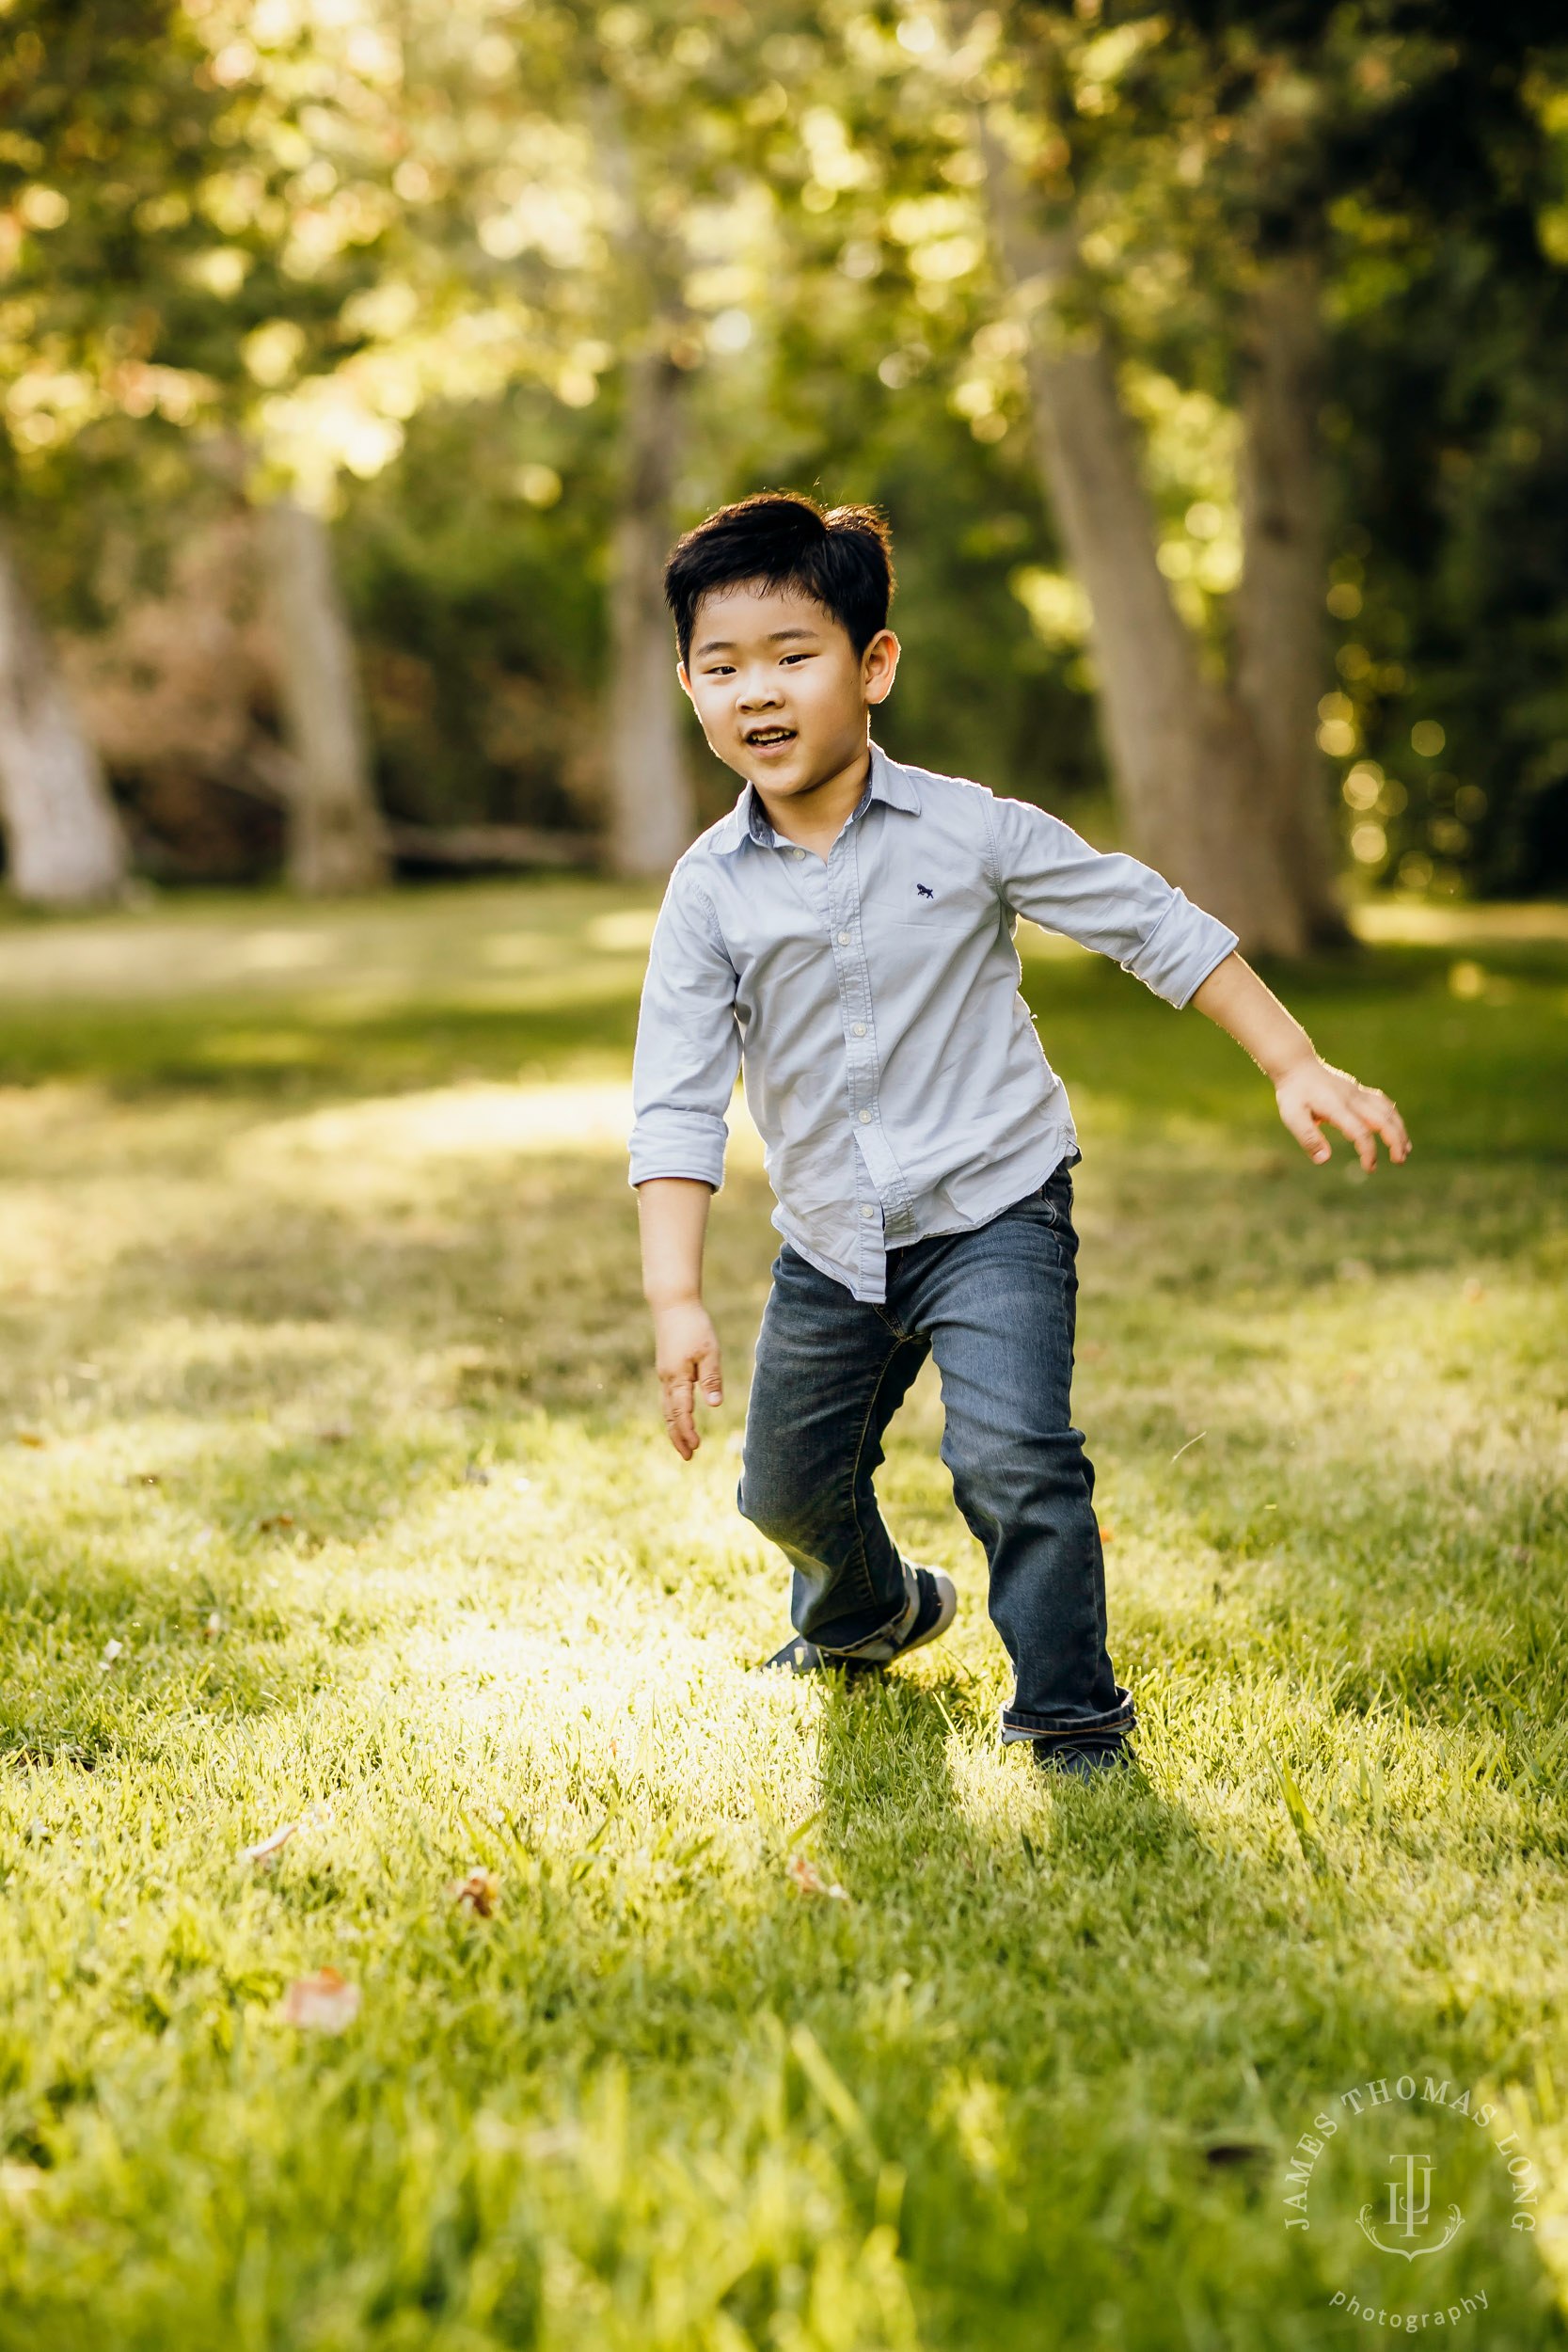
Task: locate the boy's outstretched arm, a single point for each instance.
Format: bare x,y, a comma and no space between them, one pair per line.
672,1212
1305,1088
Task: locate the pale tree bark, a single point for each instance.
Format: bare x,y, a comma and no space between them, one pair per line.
1186,760
652,809
64,844
652,806
1277,607
337,844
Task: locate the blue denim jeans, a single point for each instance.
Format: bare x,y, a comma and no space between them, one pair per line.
996,1307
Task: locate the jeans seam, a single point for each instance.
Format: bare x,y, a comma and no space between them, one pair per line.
855,1464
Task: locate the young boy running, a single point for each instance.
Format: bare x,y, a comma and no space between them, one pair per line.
846,933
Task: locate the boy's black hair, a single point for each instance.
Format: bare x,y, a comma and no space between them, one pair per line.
841,559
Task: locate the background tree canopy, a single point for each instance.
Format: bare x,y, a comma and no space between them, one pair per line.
1206,362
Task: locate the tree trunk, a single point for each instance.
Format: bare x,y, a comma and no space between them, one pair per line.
336,843
652,812
1186,762
1278,606
63,838
652,809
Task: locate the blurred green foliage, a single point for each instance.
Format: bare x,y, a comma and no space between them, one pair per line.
465,594
376,251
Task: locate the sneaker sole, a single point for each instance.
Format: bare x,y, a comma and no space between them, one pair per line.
1075,1764
804,1658
796,1658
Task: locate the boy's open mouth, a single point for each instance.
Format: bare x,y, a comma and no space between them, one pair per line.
760,737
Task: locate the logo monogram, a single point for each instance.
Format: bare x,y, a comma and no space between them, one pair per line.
1410,2209
923,892
1414,2222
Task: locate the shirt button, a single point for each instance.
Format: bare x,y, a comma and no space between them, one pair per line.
869,1210
844,939
860,1028
796,854
866,1119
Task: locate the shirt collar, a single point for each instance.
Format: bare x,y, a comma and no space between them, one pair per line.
748,819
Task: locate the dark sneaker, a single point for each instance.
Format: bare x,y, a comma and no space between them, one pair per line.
1082,1759
796,1658
933,1601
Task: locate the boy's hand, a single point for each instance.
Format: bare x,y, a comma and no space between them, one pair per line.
1311,1089
1305,1088
685,1355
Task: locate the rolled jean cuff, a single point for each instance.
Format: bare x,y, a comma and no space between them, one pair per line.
1095,1730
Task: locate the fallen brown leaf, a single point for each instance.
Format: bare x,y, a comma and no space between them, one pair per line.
30,1436
478,1893
324,2003
805,1876
274,1519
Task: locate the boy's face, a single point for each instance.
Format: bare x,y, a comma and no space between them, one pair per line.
781,692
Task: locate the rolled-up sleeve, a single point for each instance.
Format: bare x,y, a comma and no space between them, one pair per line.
1105,902
687,1044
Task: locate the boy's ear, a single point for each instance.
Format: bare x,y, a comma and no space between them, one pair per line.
880,666
685,677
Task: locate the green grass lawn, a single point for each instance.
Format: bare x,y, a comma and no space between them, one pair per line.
334,1493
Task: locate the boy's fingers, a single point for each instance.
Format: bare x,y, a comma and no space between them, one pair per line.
1381,1119
710,1378
1307,1133
678,1417
1342,1111
1359,1135
1390,1126
1360,1113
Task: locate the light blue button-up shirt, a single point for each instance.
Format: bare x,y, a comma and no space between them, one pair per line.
890,1064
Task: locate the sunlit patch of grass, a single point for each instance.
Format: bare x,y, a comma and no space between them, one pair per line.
333,1496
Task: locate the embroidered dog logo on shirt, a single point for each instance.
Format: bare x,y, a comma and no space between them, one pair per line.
923,892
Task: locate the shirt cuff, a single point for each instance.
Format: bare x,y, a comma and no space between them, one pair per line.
1182,950
689,1144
